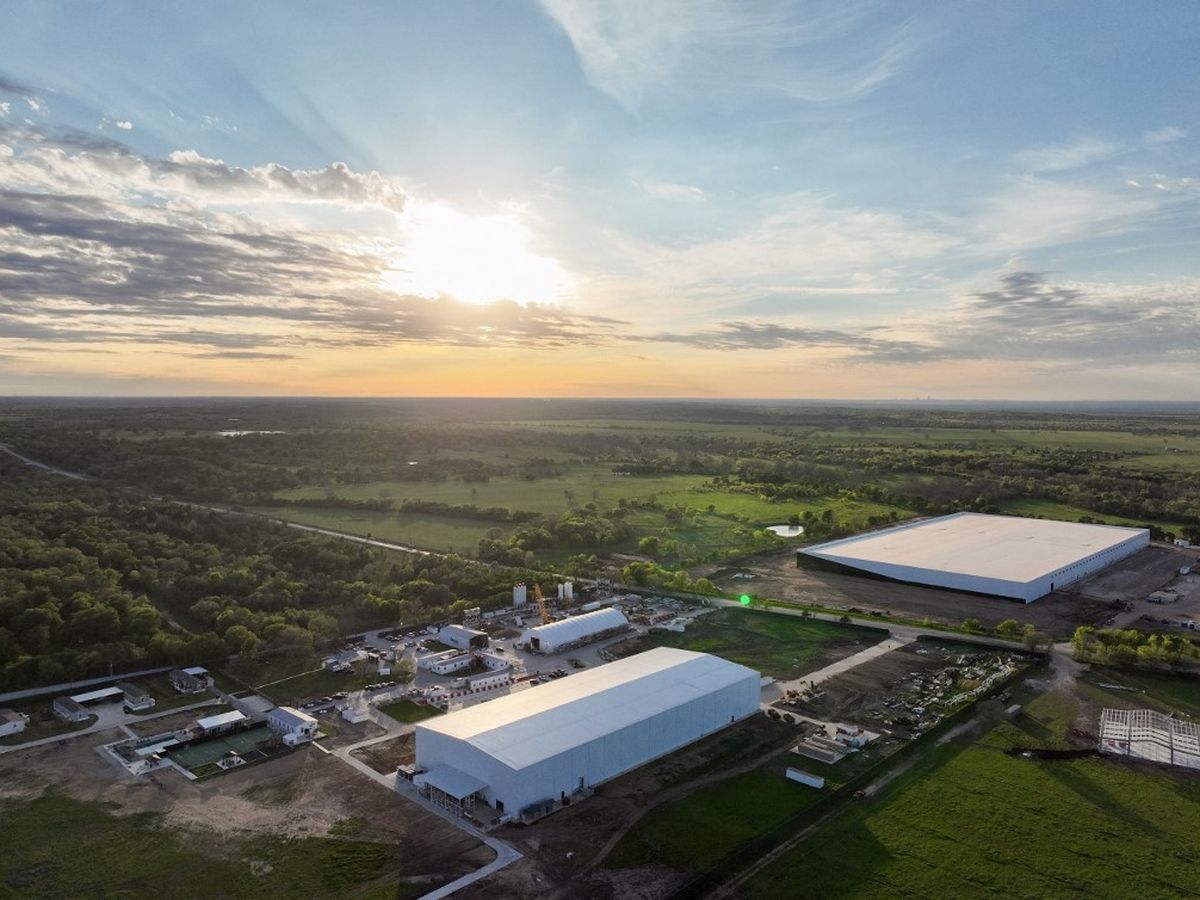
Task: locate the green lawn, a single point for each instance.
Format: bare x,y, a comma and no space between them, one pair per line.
53,846
975,822
407,711
785,647
1050,509
693,833
319,683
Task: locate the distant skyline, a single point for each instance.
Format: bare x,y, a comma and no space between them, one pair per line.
635,198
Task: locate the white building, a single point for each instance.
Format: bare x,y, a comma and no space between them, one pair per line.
295,726
220,722
520,595
463,638
574,631
12,722
449,663
1146,734
536,748
1007,556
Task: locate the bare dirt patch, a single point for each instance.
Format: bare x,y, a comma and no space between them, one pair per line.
775,576
301,794
387,756
1134,577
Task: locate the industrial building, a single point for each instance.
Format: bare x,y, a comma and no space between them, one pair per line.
574,631
527,752
1146,734
462,638
1007,556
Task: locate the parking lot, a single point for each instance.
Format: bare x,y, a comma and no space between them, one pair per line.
379,647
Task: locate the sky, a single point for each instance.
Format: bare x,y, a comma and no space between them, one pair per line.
642,198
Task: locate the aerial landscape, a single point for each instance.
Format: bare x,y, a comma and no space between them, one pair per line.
621,450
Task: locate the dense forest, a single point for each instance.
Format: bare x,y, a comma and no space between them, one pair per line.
93,579
786,453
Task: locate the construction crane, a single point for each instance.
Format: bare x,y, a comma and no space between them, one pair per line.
541,604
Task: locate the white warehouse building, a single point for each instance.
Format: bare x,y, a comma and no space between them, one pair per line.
574,630
542,746
462,638
1007,556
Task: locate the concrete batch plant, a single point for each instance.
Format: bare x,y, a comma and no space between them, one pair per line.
1007,556
555,636
530,751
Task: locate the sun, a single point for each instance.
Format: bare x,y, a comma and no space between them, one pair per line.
473,258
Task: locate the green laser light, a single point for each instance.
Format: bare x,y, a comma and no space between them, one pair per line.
745,598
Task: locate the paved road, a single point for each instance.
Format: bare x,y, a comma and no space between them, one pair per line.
505,853
111,716
40,465
71,686
905,633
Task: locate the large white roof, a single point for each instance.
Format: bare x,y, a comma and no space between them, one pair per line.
525,728
1010,548
576,628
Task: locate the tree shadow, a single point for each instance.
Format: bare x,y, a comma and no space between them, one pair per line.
1071,776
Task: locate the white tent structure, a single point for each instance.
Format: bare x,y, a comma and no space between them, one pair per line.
540,747
574,630
1008,556
1146,734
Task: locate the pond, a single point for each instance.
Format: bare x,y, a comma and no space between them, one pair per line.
787,530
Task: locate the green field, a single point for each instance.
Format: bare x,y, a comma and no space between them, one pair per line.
976,822
761,512
1049,509
411,529
408,712
581,484
52,846
785,647
693,833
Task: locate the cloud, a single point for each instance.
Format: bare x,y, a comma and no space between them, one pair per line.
1064,157
808,244
5,109
631,49
1165,135
122,124
16,88
335,183
775,336
668,190
1032,212
65,159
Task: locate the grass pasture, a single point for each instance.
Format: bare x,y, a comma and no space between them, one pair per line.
975,822
422,530
785,647
579,485
408,712
53,846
